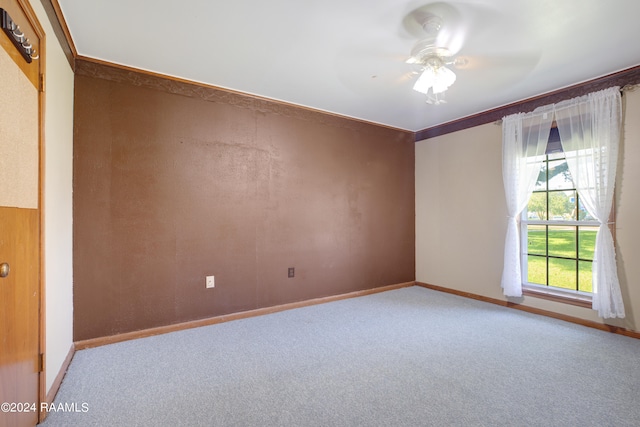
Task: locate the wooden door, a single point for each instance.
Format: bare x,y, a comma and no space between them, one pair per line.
20,220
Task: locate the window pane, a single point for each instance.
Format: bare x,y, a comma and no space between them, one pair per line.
583,215
573,201
562,273
562,241
559,155
558,254
537,207
562,205
587,242
585,276
537,270
541,183
537,236
559,176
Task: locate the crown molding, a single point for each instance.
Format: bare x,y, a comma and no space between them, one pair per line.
97,68
630,76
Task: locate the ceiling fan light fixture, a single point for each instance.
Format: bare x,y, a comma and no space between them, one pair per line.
431,23
434,80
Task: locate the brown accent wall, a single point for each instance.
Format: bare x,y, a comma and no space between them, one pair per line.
174,181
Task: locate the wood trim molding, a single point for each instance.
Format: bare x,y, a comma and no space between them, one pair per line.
61,373
557,297
61,30
96,68
509,304
96,342
621,78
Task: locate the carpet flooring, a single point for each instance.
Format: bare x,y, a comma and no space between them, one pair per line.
406,357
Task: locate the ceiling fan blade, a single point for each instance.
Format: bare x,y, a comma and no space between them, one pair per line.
374,68
494,71
491,61
449,25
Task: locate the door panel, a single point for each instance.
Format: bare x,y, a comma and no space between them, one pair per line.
19,327
20,221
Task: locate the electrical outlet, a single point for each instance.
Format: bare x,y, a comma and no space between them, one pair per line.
211,282
291,272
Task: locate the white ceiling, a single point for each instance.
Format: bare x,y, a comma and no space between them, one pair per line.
348,56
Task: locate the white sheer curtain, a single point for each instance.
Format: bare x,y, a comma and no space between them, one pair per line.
524,140
589,128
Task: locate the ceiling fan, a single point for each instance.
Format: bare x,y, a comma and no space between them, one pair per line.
438,27
442,30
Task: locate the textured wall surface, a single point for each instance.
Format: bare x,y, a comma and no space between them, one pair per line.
174,182
18,137
461,216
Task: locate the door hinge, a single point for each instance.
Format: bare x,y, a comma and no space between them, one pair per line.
41,362
42,82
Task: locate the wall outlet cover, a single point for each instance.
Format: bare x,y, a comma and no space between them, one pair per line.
210,282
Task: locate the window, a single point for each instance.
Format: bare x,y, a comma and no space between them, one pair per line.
558,234
590,130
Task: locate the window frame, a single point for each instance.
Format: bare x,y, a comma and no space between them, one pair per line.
569,296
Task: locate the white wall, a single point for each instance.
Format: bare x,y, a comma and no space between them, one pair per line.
461,215
58,185
627,209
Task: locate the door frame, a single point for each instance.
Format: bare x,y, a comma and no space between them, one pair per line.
42,378
34,23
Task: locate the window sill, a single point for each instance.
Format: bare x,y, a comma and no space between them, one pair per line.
566,297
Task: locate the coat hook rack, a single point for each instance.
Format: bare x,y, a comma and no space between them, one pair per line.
17,36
